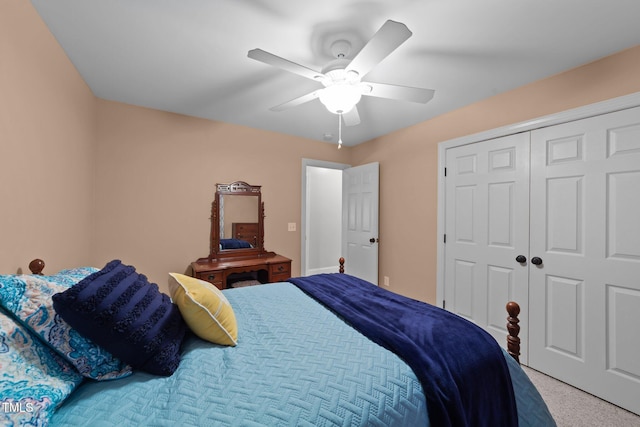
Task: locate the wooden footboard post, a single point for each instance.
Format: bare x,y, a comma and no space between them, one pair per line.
513,342
341,261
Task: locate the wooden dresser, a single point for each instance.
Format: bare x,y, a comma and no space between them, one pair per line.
265,269
240,206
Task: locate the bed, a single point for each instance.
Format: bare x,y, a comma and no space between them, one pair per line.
270,355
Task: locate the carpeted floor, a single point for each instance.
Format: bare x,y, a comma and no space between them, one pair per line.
572,407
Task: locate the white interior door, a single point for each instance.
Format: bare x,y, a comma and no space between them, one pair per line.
487,228
585,222
360,187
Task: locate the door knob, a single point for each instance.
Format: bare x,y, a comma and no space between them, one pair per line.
536,260
521,259
373,240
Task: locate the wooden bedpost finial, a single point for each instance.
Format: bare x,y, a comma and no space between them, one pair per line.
36,266
513,342
341,261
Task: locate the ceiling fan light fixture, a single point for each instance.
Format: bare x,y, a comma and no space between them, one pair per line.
340,98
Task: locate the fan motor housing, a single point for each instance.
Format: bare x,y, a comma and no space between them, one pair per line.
337,73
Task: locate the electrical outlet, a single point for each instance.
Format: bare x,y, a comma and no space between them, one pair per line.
386,281
292,226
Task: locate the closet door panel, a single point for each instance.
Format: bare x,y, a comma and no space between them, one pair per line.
623,216
565,327
565,215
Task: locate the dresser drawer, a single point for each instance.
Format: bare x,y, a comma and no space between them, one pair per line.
247,231
280,272
213,277
246,228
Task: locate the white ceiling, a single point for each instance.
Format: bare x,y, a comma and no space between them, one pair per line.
190,56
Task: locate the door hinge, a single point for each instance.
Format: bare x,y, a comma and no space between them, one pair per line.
444,305
445,238
445,171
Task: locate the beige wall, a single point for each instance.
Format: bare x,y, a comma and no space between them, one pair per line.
83,180
47,126
409,159
156,176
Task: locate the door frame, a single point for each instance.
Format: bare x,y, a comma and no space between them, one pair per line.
303,219
595,109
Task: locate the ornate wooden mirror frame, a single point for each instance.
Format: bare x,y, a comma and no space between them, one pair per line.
226,192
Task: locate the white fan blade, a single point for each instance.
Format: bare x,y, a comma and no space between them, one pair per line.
402,93
297,101
391,35
285,64
351,118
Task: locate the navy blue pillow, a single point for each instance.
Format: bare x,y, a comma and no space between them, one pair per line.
122,312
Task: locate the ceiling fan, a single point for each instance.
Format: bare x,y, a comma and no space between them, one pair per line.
341,77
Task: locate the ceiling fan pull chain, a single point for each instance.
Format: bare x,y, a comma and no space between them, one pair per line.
339,131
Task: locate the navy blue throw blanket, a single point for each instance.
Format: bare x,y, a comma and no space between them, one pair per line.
461,367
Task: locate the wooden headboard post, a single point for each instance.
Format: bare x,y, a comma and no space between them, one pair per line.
341,261
36,266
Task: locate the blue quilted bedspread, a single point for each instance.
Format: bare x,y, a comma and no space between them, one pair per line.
296,364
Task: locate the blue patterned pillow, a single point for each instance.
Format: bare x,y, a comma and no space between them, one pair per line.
34,380
28,298
121,311
73,275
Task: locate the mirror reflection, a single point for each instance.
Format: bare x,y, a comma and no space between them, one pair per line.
239,228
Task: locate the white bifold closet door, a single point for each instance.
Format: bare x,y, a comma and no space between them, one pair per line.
487,228
584,299
574,192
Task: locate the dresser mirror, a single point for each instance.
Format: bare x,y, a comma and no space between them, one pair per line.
237,227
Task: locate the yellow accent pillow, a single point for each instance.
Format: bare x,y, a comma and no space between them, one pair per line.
204,308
